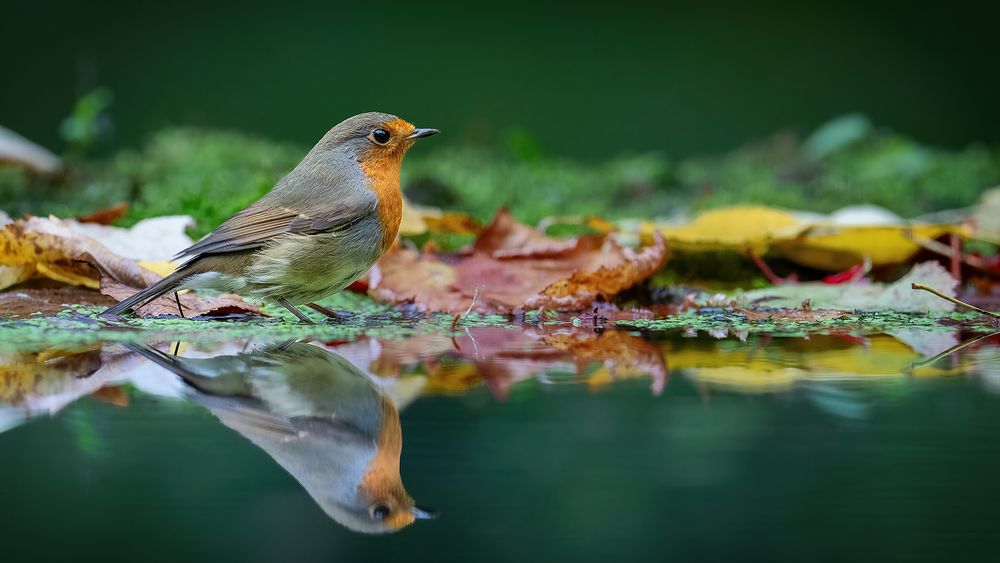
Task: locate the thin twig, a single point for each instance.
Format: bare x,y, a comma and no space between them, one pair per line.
953,300
772,277
475,297
944,250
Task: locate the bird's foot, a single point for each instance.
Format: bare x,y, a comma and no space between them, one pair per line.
295,311
328,313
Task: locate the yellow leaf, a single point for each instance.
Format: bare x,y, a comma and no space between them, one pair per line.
740,228
815,242
838,248
162,269
418,220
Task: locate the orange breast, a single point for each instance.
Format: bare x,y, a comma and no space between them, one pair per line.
383,179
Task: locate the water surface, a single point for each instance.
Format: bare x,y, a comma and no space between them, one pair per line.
532,443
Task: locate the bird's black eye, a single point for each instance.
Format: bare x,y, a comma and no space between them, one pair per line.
380,136
380,512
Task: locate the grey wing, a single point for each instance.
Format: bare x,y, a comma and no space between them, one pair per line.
252,227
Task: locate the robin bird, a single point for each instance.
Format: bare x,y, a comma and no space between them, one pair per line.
315,232
319,417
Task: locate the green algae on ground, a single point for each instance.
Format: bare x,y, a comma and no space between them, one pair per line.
82,325
364,317
857,322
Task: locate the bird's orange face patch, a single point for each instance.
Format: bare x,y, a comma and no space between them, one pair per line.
382,482
381,164
400,130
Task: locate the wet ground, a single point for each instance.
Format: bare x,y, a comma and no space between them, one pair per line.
542,442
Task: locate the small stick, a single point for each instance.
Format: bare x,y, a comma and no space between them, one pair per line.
945,250
956,257
475,297
953,300
772,277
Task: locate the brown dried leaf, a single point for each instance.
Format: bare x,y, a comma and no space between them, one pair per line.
48,300
105,216
60,250
512,266
192,305
506,238
585,287
418,219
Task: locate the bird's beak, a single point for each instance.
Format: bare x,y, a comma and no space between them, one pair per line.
418,512
418,133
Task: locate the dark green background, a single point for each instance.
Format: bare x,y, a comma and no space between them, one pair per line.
588,79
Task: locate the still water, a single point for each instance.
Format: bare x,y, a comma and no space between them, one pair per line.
527,444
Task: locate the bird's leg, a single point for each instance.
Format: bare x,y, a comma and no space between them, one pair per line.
302,316
179,309
326,312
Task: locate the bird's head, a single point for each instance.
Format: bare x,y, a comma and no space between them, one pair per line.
378,503
376,137
393,511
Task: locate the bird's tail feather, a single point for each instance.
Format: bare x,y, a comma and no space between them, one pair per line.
152,292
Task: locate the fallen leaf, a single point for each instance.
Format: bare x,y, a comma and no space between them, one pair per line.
105,216
739,228
583,288
18,150
418,219
48,300
506,238
453,222
834,243
70,252
896,296
54,249
156,239
191,305
834,248
512,266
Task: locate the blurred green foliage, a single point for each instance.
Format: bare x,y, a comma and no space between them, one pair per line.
90,121
211,174
845,162
208,175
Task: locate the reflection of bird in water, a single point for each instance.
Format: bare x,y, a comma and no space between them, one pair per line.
319,417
